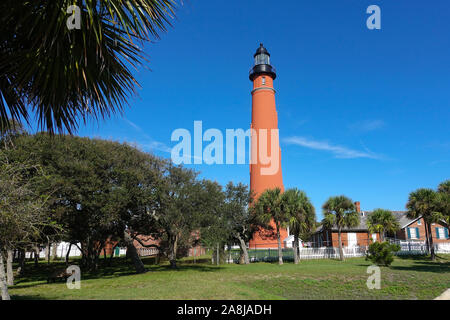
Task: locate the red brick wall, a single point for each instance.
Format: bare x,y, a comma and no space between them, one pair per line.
403,233
362,239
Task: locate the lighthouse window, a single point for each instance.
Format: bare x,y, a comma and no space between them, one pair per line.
262,59
263,80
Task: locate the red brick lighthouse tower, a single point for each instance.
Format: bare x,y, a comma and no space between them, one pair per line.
263,173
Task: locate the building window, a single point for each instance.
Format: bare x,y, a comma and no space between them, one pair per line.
413,233
263,80
419,222
441,233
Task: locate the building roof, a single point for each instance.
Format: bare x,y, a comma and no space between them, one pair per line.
401,217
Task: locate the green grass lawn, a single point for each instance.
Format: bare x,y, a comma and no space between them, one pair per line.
407,278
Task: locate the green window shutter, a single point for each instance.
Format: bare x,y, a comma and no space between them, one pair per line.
446,233
409,233
417,233
437,233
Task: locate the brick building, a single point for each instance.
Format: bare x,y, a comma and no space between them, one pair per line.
410,229
414,229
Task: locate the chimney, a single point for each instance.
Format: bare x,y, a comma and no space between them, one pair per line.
358,206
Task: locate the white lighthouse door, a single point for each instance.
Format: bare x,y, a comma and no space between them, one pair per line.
352,242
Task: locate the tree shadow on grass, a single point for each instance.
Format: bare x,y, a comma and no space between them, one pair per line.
120,267
28,297
424,264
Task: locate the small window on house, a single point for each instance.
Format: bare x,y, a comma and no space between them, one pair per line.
263,80
419,222
413,233
441,233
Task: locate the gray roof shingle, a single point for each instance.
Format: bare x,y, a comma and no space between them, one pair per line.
401,217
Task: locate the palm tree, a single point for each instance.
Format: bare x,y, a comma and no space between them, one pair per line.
424,203
269,208
444,187
340,212
301,215
382,221
444,201
62,76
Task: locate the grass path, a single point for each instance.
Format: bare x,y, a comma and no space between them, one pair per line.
407,278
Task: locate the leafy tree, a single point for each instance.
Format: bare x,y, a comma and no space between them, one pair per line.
301,215
69,75
382,221
102,187
21,214
269,207
213,232
424,203
181,204
443,199
240,220
340,212
382,253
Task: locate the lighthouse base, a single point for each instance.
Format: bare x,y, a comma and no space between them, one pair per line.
264,239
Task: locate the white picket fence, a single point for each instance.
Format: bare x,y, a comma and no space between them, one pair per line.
331,253
145,252
419,247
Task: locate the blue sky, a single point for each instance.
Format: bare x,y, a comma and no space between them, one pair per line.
362,112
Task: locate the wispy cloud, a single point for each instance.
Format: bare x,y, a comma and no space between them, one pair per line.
145,142
367,125
336,150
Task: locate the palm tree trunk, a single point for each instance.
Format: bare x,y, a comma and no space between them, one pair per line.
433,254
3,284
280,251
296,249
341,251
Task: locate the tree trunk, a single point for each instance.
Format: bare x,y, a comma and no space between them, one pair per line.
3,284
47,252
111,256
133,255
68,253
173,253
218,254
21,268
244,250
9,268
430,234
36,255
280,251
296,249
341,251
427,238
54,251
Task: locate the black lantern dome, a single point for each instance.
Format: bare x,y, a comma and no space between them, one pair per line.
262,64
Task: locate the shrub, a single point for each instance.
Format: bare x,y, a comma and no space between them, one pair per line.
382,253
